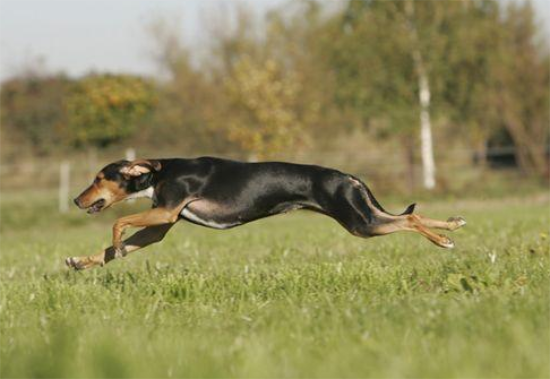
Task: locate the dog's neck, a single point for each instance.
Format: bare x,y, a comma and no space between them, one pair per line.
144,186
142,182
147,192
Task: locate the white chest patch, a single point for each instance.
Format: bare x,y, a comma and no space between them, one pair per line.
187,214
148,193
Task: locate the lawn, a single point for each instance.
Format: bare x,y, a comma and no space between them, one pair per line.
290,296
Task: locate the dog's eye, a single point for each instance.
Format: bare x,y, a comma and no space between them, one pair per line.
96,180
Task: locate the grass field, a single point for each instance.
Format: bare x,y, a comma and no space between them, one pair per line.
290,296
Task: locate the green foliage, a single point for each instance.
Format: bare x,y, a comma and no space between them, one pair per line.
96,110
517,95
290,296
272,89
32,108
370,52
261,96
103,109
189,102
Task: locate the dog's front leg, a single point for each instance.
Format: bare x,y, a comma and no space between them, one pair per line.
156,221
153,217
137,241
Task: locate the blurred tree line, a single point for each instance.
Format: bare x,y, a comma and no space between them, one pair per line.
417,73
97,110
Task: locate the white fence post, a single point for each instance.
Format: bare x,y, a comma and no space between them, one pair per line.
130,156
64,183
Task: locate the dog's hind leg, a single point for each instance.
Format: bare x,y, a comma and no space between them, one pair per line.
410,223
138,240
359,212
452,223
360,225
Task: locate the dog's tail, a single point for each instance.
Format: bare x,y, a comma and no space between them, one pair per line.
408,211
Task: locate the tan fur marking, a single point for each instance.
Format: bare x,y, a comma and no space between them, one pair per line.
412,223
104,189
155,216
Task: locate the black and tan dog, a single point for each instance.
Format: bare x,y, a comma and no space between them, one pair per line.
222,194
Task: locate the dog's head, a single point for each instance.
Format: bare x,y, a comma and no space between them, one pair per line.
116,182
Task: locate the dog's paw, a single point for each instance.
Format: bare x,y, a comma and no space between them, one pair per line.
74,263
456,222
120,252
446,243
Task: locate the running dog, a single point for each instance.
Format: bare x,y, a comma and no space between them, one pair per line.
222,194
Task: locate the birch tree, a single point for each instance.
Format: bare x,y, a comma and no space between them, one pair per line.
383,74
424,97
393,62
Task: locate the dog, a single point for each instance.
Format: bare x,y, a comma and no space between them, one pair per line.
222,194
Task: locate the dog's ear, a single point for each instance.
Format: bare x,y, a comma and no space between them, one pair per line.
140,167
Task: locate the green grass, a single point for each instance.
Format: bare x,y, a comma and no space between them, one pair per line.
290,296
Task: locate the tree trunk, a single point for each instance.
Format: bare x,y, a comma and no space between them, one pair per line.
426,143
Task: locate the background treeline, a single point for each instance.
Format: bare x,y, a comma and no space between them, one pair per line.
411,81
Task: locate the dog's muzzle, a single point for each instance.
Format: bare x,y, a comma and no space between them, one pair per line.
94,208
97,206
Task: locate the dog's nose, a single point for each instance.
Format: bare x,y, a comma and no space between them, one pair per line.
76,202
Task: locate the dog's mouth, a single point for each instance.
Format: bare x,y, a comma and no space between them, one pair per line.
96,207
